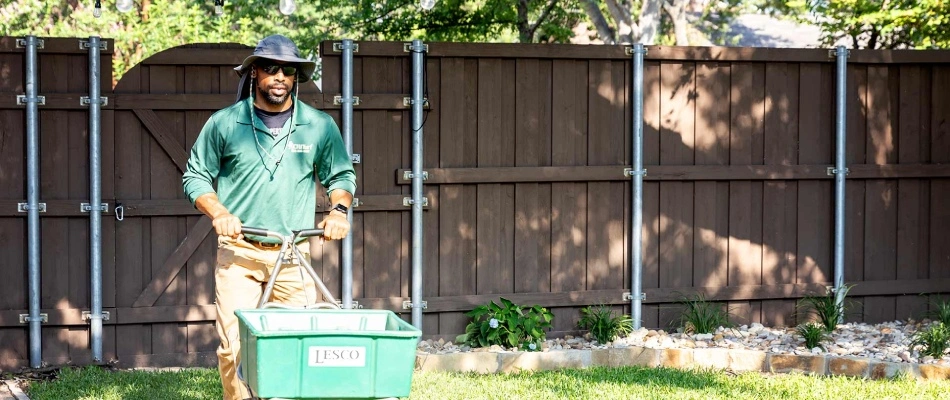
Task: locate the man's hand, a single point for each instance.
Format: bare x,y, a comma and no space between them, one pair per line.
335,226
227,225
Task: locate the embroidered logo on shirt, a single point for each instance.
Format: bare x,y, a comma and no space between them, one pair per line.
299,148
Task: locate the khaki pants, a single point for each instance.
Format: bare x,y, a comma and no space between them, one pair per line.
242,271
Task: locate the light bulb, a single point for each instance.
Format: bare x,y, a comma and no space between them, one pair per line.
427,4
287,7
219,7
124,5
97,10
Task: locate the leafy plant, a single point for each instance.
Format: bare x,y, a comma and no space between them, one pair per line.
508,325
940,311
813,334
826,308
602,323
701,316
932,341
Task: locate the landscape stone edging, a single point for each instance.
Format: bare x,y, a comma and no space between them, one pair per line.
716,358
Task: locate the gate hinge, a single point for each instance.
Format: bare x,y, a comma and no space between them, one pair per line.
87,315
25,207
85,101
84,44
408,175
407,304
25,318
407,201
22,100
630,172
339,47
85,207
338,100
21,43
627,296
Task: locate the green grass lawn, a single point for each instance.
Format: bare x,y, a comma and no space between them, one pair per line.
595,383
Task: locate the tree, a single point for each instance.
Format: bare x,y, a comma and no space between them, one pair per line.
882,24
657,21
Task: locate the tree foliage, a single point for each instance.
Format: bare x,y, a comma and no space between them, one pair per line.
881,24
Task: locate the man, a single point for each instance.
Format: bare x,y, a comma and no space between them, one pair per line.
266,152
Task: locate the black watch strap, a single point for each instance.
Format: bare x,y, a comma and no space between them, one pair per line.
339,207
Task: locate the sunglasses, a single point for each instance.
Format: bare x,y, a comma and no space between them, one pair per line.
271,69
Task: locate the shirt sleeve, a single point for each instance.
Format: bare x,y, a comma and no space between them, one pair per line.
334,167
204,162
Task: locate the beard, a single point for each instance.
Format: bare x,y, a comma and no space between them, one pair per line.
266,94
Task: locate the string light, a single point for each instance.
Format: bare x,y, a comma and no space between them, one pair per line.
97,10
124,5
287,7
427,4
219,7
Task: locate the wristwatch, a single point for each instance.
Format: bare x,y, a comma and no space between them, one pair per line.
339,207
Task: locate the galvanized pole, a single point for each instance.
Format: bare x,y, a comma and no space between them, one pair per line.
33,202
95,200
636,243
418,59
347,289
840,171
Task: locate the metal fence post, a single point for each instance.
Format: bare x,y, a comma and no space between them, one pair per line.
95,200
417,50
840,171
347,103
33,203
637,172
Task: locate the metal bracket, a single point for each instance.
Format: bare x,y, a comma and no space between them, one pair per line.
85,207
630,172
407,304
407,201
85,101
84,44
629,50
354,304
832,53
628,297
355,203
832,171
408,175
25,207
338,47
338,100
87,315
407,48
356,158
407,101
21,43
22,100
25,318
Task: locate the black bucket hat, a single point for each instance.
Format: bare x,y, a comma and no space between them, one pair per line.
279,48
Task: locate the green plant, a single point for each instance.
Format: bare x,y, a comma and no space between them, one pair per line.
508,325
602,323
826,308
813,334
932,341
701,316
940,311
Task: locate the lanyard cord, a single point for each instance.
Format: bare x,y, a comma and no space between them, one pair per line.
276,160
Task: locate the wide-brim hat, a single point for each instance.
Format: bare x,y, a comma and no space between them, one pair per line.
279,48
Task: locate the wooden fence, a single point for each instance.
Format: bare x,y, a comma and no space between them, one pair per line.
525,147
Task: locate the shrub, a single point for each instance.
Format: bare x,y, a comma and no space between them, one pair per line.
813,334
932,341
826,308
602,323
940,311
701,316
507,325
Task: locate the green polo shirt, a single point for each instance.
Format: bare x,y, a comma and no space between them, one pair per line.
263,193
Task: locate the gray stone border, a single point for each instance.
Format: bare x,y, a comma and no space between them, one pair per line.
715,358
